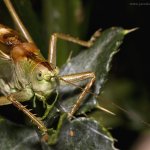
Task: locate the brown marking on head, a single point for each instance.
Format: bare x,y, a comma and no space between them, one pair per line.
47,65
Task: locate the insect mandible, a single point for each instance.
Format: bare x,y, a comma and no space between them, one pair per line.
31,75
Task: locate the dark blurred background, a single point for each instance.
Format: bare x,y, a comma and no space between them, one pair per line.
128,81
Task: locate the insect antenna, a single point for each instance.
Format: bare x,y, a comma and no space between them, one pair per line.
102,108
95,95
129,114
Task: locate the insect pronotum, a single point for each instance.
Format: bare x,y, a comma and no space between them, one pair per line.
30,74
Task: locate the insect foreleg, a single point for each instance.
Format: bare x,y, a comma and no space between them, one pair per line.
53,42
16,98
76,78
34,119
24,95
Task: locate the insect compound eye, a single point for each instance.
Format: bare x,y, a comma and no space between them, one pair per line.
39,76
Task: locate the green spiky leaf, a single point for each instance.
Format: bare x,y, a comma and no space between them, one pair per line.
96,59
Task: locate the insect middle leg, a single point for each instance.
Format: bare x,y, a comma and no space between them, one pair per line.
55,36
76,78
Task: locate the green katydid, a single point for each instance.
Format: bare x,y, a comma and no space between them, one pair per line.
31,75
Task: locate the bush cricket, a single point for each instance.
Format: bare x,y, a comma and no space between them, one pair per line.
30,74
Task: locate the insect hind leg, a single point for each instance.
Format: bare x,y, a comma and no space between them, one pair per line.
17,21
